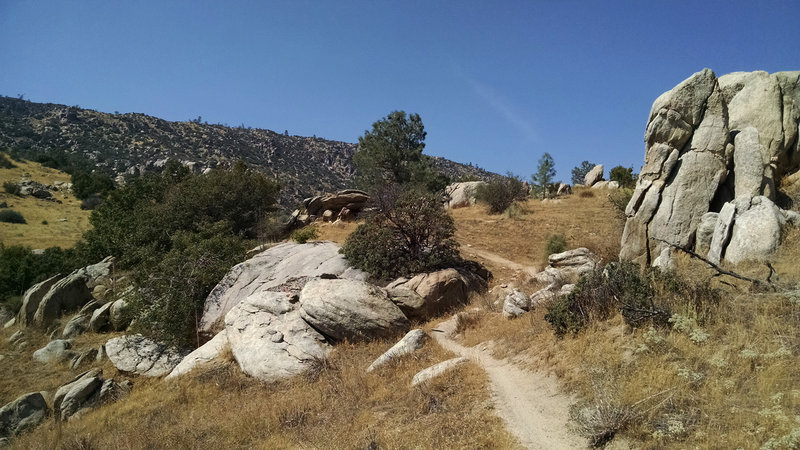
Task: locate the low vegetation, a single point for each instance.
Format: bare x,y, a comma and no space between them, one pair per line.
499,194
12,188
410,232
305,234
556,243
11,216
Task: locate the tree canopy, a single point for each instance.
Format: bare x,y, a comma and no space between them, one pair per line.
579,172
391,153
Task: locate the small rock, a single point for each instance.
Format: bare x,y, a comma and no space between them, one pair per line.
436,370
413,340
57,350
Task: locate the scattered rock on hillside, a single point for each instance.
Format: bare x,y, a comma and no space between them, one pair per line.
515,304
142,356
567,267
436,370
563,189
120,315
80,393
78,324
412,341
24,413
350,309
606,185
282,268
462,194
68,294
54,351
429,294
594,175
101,319
712,146
31,299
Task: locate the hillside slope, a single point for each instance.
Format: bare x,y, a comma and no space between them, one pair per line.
49,224
132,143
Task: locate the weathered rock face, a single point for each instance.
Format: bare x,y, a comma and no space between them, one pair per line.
429,294
24,413
283,268
139,355
81,392
269,339
710,141
54,351
206,353
515,304
567,267
350,309
463,194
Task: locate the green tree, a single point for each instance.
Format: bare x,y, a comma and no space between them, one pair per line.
579,172
501,192
392,154
624,176
544,173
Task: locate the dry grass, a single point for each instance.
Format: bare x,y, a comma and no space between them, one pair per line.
341,407
585,222
35,234
335,231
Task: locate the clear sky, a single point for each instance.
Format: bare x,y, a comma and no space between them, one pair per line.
497,83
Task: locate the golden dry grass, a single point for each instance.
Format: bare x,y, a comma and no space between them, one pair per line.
584,221
335,231
35,234
340,407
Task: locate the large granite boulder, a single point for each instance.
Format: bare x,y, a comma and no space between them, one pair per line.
462,194
350,309
283,268
593,176
206,353
709,141
68,294
139,355
567,267
24,413
429,294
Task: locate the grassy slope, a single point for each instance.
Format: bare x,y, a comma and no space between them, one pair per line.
34,233
736,389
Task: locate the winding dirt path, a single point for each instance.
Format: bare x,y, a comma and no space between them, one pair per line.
531,404
497,259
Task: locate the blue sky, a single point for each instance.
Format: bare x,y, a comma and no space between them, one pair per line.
496,83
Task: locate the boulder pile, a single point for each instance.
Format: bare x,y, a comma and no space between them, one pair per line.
343,205
459,195
280,312
716,150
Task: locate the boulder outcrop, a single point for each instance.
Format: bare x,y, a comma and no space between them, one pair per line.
715,148
594,175
139,355
283,268
350,309
462,194
429,294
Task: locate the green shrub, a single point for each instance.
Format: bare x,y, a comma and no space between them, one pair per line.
91,202
410,232
6,163
501,193
556,243
619,199
172,287
11,216
305,234
21,268
624,176
12,188
44,222
14,304
642,297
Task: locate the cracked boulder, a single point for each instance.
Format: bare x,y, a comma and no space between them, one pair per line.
283,268
142,356
429,294
709,141
24,413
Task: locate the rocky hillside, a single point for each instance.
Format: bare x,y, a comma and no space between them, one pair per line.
134,143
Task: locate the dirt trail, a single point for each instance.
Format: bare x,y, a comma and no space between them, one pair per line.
497,259
531,404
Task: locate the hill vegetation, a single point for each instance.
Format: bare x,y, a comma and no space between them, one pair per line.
70,137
